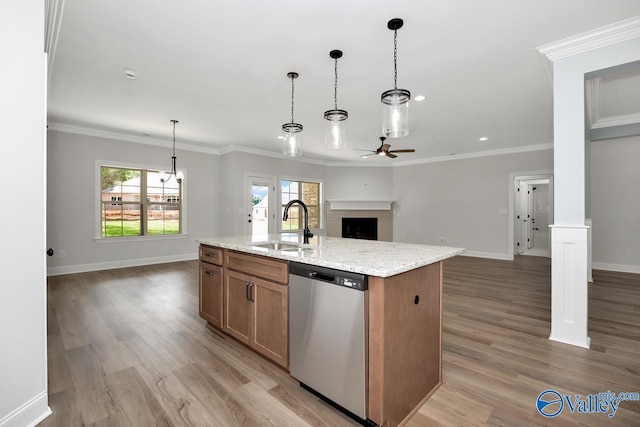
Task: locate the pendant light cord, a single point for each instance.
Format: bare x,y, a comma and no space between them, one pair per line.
174,138
292,92
395,59
335,86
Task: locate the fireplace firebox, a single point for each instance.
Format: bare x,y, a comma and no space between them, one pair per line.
360,228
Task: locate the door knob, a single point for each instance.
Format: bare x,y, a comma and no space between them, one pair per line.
50,251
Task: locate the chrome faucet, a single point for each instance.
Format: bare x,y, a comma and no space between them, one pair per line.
306,234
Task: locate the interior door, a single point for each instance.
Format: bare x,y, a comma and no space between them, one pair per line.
540,216
260,193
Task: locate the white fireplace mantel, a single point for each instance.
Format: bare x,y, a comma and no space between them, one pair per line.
362,205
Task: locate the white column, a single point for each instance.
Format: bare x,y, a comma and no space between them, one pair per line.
569,292
598,51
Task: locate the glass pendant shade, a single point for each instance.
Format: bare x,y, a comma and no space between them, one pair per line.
292,143
335,135
395,102
395,113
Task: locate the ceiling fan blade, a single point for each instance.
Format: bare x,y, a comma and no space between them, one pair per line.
364,156
391,156
360,149
405,150
385,147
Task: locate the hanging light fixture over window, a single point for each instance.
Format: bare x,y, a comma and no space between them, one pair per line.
395,102
336,126
292,145
174,172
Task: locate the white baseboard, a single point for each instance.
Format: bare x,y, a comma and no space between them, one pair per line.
82,268
30,414
490,255
617,267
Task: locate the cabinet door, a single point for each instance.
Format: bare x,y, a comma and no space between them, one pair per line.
270,321
237,307
211,293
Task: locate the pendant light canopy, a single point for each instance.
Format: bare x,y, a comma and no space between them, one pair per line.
395,102
336,125
174,171
292,145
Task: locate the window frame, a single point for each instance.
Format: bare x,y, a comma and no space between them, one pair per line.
321,213
99,164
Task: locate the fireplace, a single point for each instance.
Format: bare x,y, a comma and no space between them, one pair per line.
360,228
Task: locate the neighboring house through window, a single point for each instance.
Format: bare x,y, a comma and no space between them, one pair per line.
135,202
307,191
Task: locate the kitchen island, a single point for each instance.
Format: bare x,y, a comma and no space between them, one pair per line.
403,306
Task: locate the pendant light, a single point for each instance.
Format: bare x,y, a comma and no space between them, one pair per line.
336,125
174,171
292,145
395,102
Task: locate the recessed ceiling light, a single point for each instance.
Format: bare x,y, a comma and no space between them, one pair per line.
129,73
483,138
420,98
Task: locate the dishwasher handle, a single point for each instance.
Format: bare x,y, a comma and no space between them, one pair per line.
322,276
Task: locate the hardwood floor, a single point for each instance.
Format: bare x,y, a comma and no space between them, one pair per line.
126,347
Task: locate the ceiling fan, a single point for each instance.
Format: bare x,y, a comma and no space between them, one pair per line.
383,150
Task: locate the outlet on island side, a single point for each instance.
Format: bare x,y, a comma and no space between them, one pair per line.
62,253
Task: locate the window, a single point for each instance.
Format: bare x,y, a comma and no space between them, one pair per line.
135,202
309,193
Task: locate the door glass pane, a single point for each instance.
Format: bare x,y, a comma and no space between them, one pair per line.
260,209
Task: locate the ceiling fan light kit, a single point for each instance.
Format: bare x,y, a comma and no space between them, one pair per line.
292,143
336,125
395,102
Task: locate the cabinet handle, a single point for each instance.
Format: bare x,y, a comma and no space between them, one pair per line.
210,273
209,255
250,291
247,291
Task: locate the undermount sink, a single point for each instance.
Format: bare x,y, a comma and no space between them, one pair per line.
278,246
282,246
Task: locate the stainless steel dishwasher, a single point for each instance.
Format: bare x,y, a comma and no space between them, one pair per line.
327,334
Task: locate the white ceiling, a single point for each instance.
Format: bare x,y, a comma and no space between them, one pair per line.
219,67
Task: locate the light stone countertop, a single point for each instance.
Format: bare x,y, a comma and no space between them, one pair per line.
374,258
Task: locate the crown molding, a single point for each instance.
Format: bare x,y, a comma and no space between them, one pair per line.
247,150
119,136
594,39
54,10
478,154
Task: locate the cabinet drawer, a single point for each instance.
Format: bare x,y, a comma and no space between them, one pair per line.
267,268
210,254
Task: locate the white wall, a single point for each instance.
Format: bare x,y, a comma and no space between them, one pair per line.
359,183
464,201
235,165
23,339
71,187
615,204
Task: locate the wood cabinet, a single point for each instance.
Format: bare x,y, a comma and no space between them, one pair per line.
211,290
256,314
247,297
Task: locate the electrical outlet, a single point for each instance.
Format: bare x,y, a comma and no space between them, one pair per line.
62,253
